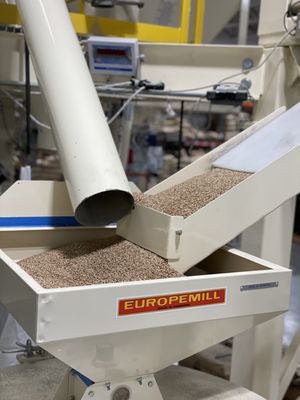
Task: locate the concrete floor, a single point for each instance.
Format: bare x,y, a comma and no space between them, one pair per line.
292,318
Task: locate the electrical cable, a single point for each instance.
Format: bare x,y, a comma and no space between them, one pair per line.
114,117
243,72
261,64
19,104
291,5
114,85
289,13
284,22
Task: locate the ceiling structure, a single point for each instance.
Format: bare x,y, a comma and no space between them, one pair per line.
229,33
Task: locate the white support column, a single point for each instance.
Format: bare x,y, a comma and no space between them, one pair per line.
257,353
244,22
241,373
289,364
271,27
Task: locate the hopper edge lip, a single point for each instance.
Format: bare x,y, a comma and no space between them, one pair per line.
150,282
141,206
21,273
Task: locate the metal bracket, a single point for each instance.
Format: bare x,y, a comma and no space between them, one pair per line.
140,388
28,353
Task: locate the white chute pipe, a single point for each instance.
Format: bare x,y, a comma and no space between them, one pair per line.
94,175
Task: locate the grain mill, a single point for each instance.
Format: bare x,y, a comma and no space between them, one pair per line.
117,335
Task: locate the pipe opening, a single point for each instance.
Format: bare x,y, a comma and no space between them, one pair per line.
104,208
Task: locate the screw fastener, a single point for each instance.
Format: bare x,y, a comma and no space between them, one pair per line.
248,63
178,232
150,384
91,393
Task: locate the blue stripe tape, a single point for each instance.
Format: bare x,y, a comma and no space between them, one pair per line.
114,69
31,222
87,381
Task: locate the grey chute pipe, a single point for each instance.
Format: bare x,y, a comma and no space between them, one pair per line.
94,175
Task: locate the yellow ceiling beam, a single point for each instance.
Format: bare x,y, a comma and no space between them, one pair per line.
185,20
85,25
9,15
199,21
81,6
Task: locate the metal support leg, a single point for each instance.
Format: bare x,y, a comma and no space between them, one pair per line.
244,22
256,361
271,239
289,364
242,362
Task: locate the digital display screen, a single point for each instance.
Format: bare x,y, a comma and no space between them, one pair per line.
112,55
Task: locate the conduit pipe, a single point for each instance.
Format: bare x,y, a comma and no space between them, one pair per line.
96,181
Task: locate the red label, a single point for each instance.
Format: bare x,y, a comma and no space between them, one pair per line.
171,301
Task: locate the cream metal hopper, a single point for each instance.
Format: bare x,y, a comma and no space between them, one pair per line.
119,335
99,330
91,330
270,149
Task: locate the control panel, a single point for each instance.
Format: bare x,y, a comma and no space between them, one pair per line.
113,56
